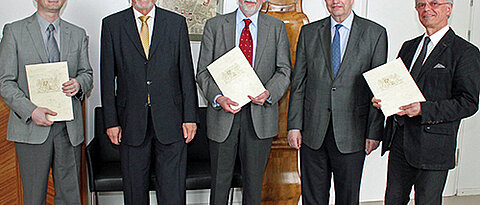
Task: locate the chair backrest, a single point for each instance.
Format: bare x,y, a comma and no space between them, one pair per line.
107,151
198,148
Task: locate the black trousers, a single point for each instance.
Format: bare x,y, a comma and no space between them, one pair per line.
253,153
317,167
401,176
170,164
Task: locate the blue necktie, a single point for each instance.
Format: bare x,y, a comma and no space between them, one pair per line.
336,53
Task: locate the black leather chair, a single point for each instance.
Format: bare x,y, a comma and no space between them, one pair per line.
103,161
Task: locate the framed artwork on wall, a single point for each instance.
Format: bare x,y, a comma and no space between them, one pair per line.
196,13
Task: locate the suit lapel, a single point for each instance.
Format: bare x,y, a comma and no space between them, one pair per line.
325,42
159,29
65,40
229,31
437,52
35,34
408,58
355,34
262,36
131,29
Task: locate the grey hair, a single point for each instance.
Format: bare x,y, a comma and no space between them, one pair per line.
448,1
130,1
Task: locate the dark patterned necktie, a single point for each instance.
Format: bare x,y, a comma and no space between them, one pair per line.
52,46
246,42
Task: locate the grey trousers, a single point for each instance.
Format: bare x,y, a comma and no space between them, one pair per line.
253,153
57,153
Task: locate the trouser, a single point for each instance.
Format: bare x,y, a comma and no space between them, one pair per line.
317,167
401,176
58,154
170,167
253,153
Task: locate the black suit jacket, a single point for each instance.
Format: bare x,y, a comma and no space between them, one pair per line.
449,81
127,77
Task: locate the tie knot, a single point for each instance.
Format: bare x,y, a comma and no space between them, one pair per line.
427,40
51,27
338,26
247,22
144,18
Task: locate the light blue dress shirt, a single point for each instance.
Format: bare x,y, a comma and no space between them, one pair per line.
44,30
240,24
344,32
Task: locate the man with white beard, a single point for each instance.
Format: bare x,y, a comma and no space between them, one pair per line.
248,130
149,99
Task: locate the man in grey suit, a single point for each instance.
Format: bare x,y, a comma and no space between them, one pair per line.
42,144
330,110
248,130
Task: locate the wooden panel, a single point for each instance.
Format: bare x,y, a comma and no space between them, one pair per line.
10,182
10,192
281,183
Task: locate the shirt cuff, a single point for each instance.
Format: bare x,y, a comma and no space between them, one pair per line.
214,103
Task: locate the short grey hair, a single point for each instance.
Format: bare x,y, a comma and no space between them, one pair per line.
130,1
448,1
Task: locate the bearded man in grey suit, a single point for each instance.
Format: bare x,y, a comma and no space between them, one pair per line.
42,144
330,110
248,130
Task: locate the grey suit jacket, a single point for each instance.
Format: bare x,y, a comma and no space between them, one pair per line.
272,66
21,45
316,96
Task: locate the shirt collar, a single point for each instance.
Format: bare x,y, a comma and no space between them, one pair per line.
347,23
137,14
44,23
437,36
253,18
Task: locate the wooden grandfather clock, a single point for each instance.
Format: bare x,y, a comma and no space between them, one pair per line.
281,183
10,182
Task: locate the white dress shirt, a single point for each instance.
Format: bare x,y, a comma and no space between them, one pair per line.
150,22
434,39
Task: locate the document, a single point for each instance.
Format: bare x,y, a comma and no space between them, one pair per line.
45,89
393,84
235,77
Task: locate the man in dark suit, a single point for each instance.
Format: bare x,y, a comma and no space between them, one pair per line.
149,98
248,130
330,111
422,137
41,144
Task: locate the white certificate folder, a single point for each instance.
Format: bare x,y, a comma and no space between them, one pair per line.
235,77
45,89
393,84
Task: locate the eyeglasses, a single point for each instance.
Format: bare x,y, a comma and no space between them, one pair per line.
432,4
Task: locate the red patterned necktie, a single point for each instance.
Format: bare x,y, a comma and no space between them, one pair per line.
246,42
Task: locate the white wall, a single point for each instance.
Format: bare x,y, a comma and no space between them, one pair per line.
399,17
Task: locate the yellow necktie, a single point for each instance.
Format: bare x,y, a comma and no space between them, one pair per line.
144,36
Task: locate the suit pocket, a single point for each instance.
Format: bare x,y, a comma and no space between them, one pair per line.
438,129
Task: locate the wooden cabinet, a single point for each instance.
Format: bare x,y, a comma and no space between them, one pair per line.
10,182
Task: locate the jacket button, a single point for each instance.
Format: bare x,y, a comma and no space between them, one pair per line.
149,82
333,89
329,110
145,63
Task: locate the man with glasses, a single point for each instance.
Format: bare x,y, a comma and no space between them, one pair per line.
422,137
